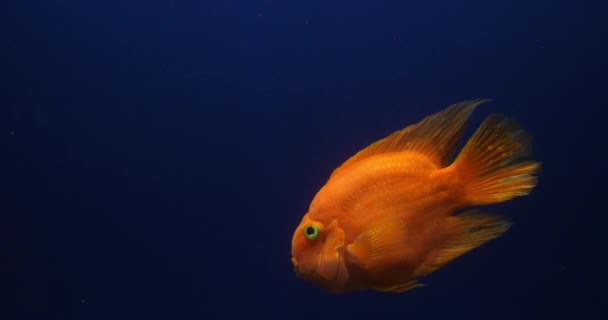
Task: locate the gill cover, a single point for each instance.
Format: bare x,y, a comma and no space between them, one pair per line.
332,265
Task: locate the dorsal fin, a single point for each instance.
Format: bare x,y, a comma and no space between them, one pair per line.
436,136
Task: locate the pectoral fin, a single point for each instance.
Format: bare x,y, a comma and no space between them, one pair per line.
380,245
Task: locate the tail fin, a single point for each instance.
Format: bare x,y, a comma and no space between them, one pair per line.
493,165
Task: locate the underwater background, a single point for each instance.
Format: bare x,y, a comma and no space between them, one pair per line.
158,155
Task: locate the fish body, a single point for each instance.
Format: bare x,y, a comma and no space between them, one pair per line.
391,213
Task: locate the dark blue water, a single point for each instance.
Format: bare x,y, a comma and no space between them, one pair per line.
157,155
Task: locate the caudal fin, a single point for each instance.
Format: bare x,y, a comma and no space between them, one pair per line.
493,165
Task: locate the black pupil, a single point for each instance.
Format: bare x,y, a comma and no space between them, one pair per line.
310,231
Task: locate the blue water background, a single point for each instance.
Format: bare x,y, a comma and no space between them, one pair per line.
157,155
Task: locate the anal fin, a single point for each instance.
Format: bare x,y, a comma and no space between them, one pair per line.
466,232
401,287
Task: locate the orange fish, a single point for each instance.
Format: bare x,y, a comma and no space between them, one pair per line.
391,214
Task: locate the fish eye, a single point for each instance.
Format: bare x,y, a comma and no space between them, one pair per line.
311,232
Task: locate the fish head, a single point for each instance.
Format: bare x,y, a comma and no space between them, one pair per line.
317,253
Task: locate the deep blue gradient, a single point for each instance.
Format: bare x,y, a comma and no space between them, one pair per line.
157,155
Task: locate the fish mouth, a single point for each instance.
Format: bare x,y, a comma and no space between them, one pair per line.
296,269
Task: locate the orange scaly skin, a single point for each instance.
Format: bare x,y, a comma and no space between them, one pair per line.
385,217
